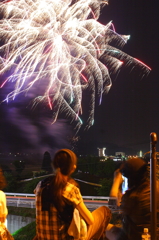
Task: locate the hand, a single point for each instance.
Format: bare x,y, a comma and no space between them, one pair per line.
118,176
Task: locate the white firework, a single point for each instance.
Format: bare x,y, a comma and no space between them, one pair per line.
57,49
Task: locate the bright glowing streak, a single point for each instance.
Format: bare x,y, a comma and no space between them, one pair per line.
84,77
3,83
143,63
55,49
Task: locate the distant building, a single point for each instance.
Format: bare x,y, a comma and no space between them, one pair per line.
101,152
120,154
140,153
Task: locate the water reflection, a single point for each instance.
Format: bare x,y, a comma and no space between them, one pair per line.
16,222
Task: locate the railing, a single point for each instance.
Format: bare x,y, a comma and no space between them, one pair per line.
20,194
84,197
29,201
21,203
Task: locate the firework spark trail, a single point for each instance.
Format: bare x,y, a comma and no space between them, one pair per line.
60,46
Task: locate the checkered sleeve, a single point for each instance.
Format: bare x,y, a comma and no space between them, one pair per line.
72,193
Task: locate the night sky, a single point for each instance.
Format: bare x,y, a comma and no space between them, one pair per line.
128,113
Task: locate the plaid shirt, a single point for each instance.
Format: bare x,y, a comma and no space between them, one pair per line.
48,224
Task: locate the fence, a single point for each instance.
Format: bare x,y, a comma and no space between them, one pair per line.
28,200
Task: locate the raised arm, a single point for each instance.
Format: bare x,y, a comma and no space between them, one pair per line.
116,187
116,183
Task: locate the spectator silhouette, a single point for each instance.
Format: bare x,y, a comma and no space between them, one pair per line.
135,203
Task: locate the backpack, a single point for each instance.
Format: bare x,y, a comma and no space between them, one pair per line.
47,200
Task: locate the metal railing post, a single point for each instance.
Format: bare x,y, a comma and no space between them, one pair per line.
153,194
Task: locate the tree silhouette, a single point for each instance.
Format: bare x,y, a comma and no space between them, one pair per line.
46,163
19,165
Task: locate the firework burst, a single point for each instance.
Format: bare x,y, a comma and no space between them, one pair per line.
58,49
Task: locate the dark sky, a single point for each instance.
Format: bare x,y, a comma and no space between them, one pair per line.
128,113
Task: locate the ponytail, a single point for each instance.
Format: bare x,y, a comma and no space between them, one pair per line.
63,164
60,182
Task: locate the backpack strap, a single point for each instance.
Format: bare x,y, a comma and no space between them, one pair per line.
45,196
